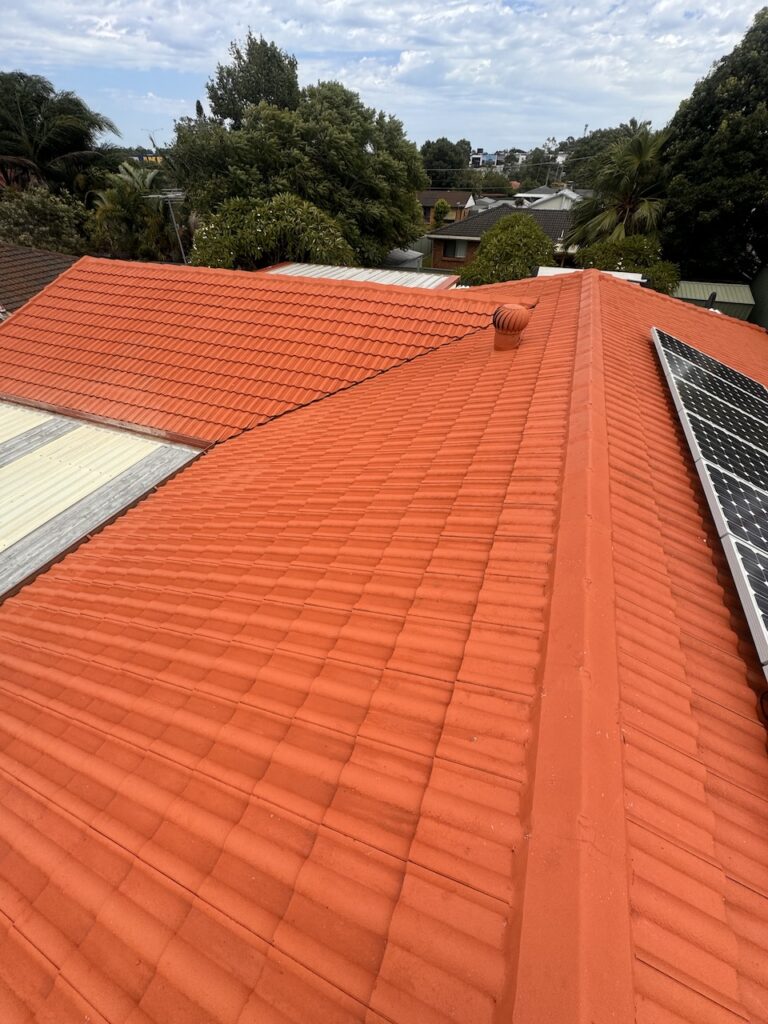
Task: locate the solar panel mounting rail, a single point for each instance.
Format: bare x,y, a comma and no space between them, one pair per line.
724,415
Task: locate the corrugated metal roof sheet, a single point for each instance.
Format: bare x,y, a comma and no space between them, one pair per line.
738,294
61,478
403,278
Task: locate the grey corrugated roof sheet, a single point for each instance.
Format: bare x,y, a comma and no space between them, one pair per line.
553,222
24,272
403,278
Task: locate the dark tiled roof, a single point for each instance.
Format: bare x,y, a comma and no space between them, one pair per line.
452,196
553,222
24,272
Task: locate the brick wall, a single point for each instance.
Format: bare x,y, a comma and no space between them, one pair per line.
440,262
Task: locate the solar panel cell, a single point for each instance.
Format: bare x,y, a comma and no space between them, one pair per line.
691,374
730,453
744,508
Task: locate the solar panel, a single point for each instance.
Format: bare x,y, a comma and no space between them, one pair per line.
724,415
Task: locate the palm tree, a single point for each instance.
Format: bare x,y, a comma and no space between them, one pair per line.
45,136
627,199
128,221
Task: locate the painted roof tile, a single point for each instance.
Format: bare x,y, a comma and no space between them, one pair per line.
400,708
204,354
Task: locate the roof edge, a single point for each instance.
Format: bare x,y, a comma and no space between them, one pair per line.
575,957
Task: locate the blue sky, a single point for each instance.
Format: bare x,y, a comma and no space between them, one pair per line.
498,72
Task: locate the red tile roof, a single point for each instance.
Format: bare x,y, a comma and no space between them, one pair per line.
432,702
203,354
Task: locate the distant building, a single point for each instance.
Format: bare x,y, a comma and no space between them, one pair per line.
455,245
460,201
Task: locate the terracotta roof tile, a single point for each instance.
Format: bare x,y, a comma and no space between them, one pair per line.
205,354
400,708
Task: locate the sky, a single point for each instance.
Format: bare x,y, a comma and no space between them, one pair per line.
498,73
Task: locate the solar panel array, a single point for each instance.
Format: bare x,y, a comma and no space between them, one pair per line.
725,418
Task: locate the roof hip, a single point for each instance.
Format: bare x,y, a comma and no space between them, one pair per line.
576,873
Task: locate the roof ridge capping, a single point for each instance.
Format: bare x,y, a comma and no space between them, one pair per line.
574,940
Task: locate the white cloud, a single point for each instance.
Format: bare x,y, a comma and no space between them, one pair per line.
497,72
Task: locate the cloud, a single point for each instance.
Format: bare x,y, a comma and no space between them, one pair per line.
500,72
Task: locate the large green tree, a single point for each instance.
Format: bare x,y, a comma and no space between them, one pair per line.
37,218
716,225
628,199
247,234
586,156
351,161
513,248
46,136
637,254
446,162
258,71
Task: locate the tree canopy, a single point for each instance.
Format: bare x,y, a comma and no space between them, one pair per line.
37,218
258,72
246,234
349,160
446,162
628,193
638,254
128,222
586,155
45,136
716,224
513,248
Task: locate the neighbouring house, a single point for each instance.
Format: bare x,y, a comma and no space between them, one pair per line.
25,271
481,159
460,201
733,299
455,245
424,695
564,199
401,277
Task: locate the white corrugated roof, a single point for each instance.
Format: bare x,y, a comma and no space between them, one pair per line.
404,278
61,478
623,275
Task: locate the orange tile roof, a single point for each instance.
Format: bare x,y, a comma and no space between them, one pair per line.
203,354
430,703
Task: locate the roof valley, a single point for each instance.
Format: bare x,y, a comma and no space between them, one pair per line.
576,877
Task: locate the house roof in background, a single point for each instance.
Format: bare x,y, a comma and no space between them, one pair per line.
368,275
24,272
202,354
400,707
553,222
699,291
454,197
61,479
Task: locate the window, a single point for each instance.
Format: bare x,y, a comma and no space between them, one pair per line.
454,250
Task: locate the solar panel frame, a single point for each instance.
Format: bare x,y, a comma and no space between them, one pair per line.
740,553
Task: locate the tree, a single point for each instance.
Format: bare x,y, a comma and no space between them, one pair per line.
258,72
446,162
349,160
628,194
440,211
585,156
128,222
716,224
247,234
513,248
39,219
45,136
638,254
